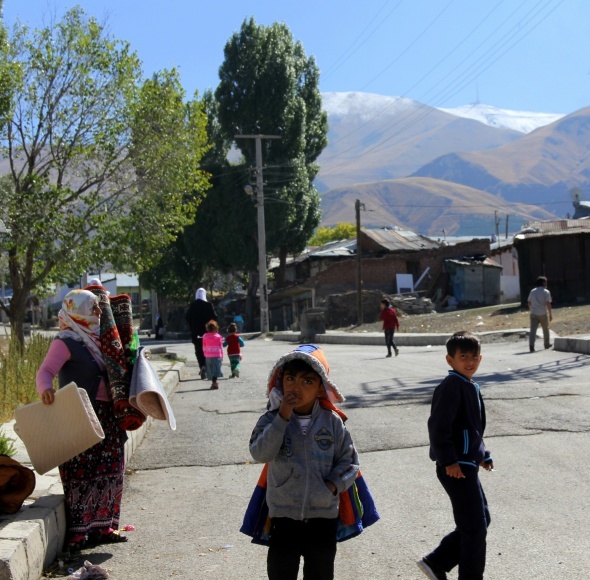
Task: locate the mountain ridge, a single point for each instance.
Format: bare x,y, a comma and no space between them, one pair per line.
526,175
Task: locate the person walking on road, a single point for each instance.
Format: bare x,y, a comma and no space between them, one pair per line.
213,351
390,325
199,313
455,428
539,302
234,343
311,460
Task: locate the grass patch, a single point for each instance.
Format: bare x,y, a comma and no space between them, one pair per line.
18,367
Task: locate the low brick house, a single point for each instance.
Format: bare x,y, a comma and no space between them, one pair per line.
331,269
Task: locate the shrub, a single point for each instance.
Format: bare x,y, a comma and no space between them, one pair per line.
6,445
18,367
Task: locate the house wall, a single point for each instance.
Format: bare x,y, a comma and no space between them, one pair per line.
508,259
564,259
378,272
475,284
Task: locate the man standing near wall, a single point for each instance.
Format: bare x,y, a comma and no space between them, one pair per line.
540,306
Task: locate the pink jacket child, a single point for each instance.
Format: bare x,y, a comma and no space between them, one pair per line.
213,351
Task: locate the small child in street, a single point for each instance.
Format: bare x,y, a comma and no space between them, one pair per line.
234,341
213,351
311,459
390,325
455,427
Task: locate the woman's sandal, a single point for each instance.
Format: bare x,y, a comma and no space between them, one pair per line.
113,537
76,544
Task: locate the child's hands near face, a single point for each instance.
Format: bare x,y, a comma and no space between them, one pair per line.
289,402
454,471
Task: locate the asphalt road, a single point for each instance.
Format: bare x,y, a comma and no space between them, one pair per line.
188,489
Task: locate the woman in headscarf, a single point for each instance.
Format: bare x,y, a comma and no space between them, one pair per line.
199,313
93,480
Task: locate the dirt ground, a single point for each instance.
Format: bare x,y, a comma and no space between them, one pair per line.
567,320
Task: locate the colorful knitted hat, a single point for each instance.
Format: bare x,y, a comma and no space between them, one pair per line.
314,356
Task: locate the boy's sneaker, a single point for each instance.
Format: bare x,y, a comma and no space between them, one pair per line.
388,355
396,352
430,571
237,374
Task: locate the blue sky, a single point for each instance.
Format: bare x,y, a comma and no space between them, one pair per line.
531,55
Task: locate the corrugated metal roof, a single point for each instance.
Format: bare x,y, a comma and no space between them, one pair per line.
340,248
553,228
395,240
470,261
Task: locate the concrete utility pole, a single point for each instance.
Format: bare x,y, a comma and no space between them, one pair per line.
359,270
262,277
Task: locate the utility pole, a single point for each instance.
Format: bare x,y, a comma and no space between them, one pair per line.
262,277
359,270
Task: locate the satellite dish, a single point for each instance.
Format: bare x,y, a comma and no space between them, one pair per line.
576,194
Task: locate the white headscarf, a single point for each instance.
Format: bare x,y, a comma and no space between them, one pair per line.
97,282
201,294
77,321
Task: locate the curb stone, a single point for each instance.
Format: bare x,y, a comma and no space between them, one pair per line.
31,539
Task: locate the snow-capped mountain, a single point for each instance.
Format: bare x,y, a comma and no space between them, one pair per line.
374,137
367,107
521,121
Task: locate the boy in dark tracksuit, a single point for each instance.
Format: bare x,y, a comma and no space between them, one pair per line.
455,427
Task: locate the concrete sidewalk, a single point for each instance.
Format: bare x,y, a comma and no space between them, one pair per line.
578,344
31,539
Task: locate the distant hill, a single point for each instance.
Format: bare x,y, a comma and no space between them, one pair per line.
491,157
372,137
427,206
539,168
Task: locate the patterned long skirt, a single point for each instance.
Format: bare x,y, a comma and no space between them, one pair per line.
93,480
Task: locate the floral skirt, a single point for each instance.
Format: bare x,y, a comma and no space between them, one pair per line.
213,367
93,480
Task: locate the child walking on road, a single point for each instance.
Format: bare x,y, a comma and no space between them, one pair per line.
390,325
310,458
234,341
213,351
455,428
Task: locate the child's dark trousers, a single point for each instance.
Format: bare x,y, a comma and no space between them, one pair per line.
466,545
314,539
389,342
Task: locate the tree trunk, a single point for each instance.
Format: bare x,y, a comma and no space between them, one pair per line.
280,272
18,302
17,312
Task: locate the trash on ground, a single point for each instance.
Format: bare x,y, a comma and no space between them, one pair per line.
89,571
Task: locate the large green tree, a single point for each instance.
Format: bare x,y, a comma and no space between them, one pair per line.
268,86
103,167
222,238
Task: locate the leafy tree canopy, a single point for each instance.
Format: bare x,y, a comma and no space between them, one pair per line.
104,167
269,86
341,231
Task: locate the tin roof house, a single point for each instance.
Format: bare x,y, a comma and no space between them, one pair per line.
559,250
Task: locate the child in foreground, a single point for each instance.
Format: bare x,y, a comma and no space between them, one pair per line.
311,459
213,351
234,341
455,427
